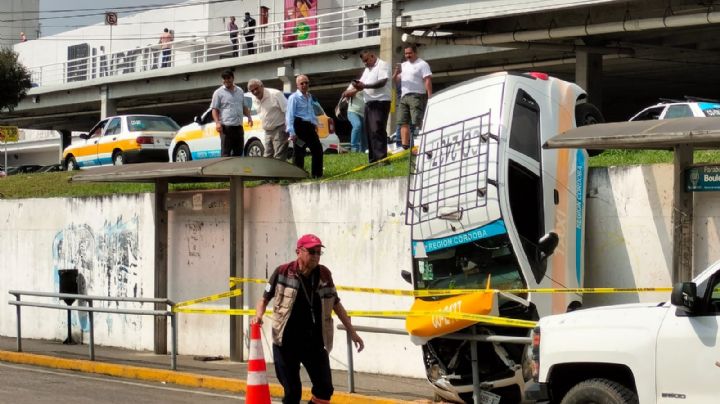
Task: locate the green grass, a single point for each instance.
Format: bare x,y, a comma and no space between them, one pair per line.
57,184
337,168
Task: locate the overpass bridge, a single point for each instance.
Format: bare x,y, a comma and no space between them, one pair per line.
626,54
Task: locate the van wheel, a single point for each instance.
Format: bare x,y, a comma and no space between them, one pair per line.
71,164
182,153
118,158
254,149
600,391
588,114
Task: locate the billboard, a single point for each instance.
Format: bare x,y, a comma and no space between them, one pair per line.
300,28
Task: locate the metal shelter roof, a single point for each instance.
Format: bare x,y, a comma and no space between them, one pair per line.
209,170
656,134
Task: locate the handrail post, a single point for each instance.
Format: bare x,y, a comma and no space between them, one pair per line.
173,342
92,331
17,310
351,368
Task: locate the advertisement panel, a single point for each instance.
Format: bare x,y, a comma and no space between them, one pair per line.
300,23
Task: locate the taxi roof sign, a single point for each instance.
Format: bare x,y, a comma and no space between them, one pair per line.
9,134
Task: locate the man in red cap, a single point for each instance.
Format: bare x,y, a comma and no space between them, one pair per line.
302,327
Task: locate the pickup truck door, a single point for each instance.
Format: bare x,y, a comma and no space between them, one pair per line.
688,352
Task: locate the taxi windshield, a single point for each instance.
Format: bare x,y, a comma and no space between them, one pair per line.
467,266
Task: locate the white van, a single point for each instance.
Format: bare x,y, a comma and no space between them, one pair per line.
488,206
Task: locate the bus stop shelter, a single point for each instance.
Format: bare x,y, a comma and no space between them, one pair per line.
683,136
235,170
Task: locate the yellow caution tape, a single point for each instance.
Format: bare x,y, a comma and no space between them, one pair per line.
232,312
394,156
224,295
450,292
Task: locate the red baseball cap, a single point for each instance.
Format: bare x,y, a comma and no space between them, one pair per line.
309,241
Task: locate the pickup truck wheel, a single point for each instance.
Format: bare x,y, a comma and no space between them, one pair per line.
599,391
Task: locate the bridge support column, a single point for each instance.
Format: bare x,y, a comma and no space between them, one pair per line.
390,45
108,106
588,75
286,74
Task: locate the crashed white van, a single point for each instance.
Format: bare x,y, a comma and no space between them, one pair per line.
488,206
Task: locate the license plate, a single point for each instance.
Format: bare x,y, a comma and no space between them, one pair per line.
487,397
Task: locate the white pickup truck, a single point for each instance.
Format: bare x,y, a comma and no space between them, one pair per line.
636,353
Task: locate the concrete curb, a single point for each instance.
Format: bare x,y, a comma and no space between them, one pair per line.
170,376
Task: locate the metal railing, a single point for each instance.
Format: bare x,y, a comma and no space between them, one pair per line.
458,336
18,303
337,26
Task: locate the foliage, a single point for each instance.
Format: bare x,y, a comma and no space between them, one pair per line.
14,79
337,168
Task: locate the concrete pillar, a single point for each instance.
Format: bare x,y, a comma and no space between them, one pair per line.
286,74
588,75
108,106
682,217
390,44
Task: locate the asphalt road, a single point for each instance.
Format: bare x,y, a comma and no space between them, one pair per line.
33,385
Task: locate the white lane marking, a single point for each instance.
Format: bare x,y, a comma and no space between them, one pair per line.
111,379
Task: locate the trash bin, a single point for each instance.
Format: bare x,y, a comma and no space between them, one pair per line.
68,283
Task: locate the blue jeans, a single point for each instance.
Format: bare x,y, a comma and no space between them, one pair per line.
358,140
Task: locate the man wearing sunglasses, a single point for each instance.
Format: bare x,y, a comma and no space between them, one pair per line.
302,326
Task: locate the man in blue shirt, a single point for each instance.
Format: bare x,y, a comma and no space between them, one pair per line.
301,124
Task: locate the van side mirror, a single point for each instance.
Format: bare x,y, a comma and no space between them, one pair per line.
547,245
406,275
84,136
196,119
684,296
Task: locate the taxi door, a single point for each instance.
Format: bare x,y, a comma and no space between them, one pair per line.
87,154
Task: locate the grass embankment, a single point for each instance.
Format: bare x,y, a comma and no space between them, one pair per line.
337,168
57,184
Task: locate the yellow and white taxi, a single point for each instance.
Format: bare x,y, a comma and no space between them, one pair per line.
200,139
122,139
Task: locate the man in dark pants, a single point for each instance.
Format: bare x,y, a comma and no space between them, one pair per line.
301,124
228,108
249,33
375,85
302,329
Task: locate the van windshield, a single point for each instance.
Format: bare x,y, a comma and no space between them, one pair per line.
467,266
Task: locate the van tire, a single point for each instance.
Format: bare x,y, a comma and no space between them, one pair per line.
588,114
600,391
182,153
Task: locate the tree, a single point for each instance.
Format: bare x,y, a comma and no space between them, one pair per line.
14,80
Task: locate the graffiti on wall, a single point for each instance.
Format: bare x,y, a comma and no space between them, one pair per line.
107,259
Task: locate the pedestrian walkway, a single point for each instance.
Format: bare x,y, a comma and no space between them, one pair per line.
200,372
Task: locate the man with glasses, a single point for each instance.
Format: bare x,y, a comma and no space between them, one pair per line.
272,106
301,124
228,108
302,327
375,85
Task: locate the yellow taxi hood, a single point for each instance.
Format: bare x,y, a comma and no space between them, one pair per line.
424,328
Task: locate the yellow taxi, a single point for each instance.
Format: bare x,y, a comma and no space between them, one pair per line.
122,139
200,140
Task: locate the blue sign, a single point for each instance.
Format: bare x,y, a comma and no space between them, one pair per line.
489,230
702,178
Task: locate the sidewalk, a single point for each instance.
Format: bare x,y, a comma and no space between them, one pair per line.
219,374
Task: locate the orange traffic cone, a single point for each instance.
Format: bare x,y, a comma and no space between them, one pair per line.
258,391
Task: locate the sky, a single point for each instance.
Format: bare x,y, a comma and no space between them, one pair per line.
81,13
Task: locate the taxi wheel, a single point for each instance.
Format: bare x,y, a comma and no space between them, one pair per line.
118,158
254,149
182,153
71,164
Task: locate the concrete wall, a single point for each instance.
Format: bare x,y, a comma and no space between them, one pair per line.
362,224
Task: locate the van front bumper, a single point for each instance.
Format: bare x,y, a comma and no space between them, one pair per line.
536,391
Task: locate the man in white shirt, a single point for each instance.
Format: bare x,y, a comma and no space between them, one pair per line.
375,85
415,79
228,108
272,106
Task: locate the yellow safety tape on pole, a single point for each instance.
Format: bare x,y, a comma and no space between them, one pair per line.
451,292
481,318
224,295
232,312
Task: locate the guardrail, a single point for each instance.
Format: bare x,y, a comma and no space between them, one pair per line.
459,336
18,303
316,30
